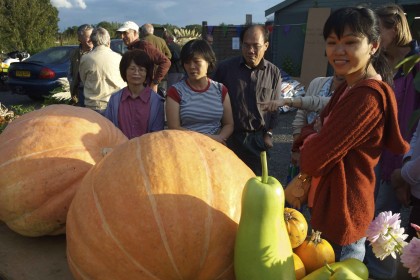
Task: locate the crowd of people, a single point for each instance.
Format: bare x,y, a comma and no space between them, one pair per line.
351,141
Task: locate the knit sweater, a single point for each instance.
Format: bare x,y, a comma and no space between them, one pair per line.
343,154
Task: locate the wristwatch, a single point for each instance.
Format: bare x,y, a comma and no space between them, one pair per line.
269,133
155,82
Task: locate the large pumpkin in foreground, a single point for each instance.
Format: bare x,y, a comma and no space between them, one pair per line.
44,156
165,205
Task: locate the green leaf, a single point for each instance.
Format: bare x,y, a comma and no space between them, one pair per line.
414,118
408,63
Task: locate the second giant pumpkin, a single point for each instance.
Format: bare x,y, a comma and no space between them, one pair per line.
44,156
165,205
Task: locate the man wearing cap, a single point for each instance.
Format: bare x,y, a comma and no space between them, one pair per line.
130,35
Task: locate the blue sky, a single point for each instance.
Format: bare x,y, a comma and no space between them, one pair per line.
176,12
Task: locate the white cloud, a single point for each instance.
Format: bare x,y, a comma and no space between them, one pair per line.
68,5
81,4
61,4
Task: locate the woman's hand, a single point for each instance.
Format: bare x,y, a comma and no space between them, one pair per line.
272,105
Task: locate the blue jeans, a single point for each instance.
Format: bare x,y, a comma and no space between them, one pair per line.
385,200
355,250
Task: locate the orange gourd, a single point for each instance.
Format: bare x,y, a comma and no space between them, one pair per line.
299,267
315,252
165,205
296,225
44,157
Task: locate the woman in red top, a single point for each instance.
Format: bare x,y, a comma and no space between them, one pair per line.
339,152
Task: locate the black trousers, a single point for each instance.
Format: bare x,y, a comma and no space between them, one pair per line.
248,146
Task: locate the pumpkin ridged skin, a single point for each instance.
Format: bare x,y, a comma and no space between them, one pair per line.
296,225
165,205
44,157
314,252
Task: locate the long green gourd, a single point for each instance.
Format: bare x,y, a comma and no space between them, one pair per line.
262,247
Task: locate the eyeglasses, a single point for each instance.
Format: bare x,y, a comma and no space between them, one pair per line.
254,47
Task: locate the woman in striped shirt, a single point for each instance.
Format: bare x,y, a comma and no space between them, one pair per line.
198,103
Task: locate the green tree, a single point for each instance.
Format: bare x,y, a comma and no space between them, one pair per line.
30,25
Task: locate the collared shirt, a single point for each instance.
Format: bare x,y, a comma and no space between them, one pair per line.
246,87
158,58
133,114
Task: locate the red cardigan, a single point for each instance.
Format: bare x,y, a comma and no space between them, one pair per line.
344,154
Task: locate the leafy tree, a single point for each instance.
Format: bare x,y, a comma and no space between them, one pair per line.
111,27
30,25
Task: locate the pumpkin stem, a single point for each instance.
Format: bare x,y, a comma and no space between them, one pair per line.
316,237
264,175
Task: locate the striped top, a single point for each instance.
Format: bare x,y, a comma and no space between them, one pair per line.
200,110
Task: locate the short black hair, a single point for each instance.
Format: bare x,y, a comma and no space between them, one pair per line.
200,47
140,58
264,30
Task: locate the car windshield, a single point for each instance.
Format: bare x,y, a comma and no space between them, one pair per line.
51,55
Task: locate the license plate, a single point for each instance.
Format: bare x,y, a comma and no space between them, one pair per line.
25,74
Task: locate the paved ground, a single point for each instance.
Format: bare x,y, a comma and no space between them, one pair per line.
23,258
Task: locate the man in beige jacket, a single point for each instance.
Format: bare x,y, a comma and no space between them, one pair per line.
99,71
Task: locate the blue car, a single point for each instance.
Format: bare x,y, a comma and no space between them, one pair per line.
38,75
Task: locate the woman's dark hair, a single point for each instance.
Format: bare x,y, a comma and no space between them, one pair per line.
198,47
140,58
364,22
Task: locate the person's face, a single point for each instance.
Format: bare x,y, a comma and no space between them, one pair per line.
350,54
387,36
253,47
136,75
129,36
196,68
85,40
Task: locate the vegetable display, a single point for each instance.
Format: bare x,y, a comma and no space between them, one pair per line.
325,272
315,252
262,246
44,157
296,225
165,205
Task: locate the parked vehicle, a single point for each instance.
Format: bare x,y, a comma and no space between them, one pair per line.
117,45
38,75
9,58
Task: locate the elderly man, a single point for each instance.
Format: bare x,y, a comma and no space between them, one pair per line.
130,35
147,34
251,79
99,71
76,86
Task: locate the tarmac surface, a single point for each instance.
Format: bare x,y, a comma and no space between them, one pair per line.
44,258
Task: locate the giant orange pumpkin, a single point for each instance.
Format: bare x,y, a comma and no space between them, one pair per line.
165,205
44,155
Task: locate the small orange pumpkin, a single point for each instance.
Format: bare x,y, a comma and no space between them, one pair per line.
165,205
44,157
315,251
299,267
296,225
